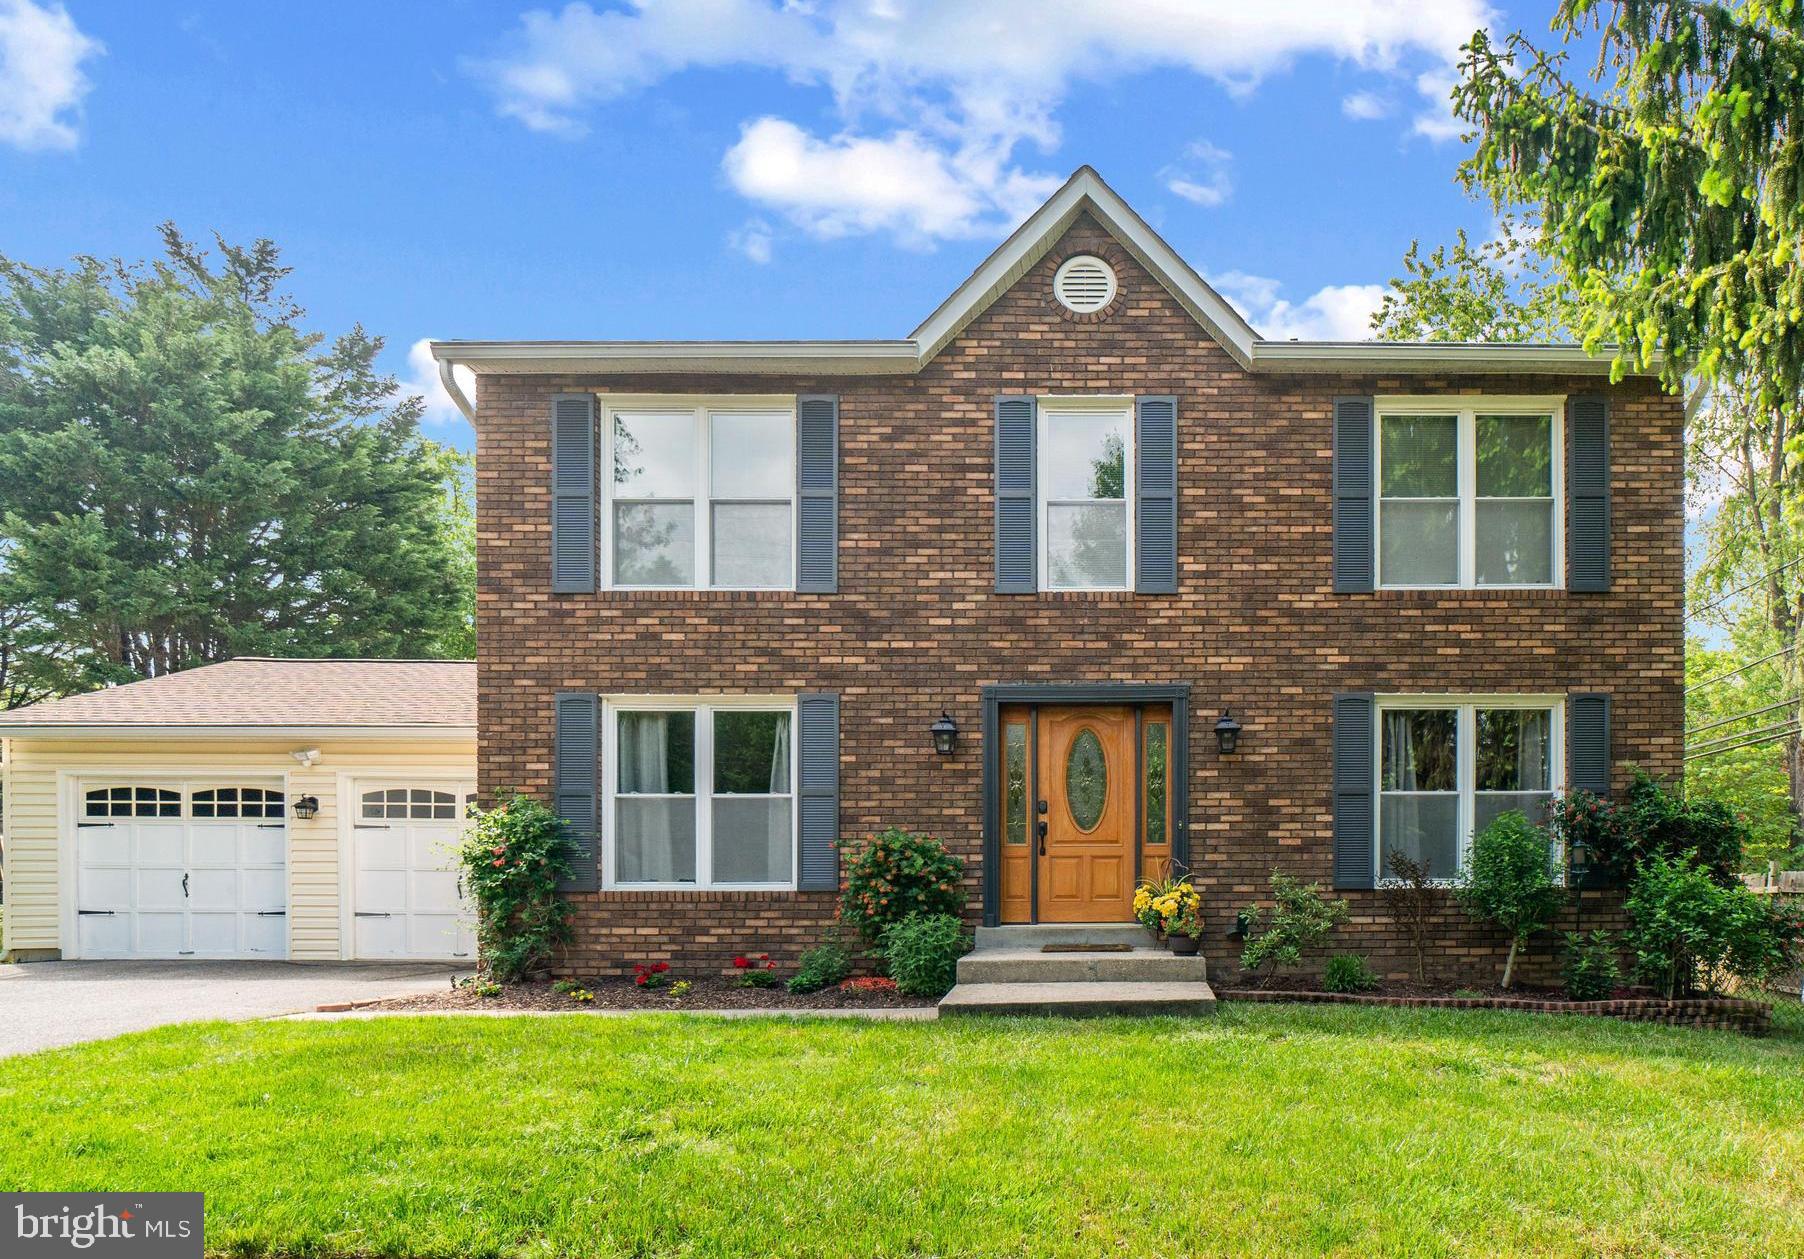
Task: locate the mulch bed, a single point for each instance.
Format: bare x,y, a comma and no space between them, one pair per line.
621,994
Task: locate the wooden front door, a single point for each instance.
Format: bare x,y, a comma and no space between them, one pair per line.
1085,809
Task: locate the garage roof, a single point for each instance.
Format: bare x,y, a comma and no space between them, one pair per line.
263,694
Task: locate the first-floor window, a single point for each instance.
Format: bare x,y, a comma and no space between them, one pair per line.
703,795
1448,769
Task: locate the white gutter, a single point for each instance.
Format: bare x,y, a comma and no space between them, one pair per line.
447,377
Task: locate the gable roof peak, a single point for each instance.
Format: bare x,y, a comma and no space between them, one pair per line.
1086,190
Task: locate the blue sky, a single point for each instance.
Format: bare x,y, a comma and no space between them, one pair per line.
729,168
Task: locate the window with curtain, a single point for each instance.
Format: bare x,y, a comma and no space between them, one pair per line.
703,796
1085,476
702,495
1468,492
1449,769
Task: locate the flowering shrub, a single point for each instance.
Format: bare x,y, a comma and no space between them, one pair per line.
681,988
896,875
580,994
868,983
1173,906
513,858
650,976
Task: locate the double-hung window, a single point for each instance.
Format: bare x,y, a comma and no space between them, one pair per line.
701,492
1447,767
1469,491
701,793
1085,477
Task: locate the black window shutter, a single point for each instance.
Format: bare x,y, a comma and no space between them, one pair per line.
1017,550
1156,493
573,493
1588,511
817,493
1355,554
1588,742
577,761
817,741
1355,817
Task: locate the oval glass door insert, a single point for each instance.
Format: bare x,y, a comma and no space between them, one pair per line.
1086,780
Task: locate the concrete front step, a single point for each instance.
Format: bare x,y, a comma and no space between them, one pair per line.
1083,999
992,965
1032,936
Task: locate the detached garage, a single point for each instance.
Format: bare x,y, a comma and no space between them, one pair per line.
300,809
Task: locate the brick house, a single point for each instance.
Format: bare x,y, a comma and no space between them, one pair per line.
1084,512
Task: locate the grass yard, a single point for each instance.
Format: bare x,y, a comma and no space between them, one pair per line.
1269,1129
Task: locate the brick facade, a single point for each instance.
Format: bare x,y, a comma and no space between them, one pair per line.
916,628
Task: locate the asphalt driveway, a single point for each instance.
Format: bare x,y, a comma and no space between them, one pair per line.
46,1004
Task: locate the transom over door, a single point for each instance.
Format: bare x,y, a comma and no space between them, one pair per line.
1085,809
407,896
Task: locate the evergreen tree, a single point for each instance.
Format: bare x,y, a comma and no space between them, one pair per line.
187,474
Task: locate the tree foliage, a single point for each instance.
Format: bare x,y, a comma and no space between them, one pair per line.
1508,880
187,474
1501,289
1669,187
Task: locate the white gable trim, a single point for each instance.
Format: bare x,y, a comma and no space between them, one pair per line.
1085,190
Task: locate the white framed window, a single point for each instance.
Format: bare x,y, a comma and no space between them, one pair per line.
700,492
1085,482
1470,491
1449,765
700,793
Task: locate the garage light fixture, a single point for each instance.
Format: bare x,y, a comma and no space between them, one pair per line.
306,808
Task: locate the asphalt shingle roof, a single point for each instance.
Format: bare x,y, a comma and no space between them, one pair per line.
258,691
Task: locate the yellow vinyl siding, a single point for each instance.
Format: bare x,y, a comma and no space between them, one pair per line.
33,900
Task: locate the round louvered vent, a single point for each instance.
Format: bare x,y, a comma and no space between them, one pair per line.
1084,284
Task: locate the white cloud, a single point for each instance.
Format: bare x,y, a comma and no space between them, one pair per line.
901,183
1437,122
422,379
1337,312
1365,106
41,79
753,239
939,92
1201,176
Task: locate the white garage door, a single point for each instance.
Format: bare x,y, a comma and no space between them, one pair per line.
181,870
407,899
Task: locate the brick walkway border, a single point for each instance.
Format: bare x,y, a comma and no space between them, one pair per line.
1729,1014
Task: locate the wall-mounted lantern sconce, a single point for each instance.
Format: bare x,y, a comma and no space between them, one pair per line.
1227,734
945,734
306,808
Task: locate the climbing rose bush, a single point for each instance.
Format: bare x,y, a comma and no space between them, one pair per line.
513,858
896,875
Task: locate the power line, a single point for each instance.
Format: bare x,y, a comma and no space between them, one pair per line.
1785,731
1724,677
1729,721
1746,734
1730,594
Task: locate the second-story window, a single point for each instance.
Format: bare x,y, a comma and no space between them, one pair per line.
1469,491
1086,485
701,494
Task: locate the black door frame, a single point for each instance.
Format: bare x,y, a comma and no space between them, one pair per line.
1177,694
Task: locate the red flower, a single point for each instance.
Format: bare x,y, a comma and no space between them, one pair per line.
497,862
741,962
660,968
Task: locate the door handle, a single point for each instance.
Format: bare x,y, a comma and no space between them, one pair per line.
184,885
1040,830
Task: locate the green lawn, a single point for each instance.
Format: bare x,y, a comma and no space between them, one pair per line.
1268,1129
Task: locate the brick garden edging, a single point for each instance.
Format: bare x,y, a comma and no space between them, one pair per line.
1729,1014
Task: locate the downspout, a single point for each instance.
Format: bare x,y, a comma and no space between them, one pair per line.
459,399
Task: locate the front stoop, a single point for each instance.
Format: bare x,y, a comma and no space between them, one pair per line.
1009,973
